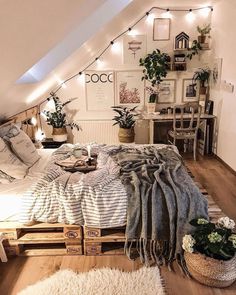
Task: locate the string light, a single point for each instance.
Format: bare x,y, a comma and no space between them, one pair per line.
167,11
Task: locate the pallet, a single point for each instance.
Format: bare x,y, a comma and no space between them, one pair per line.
108,241
42,239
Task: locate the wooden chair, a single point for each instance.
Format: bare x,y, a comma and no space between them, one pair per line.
182,130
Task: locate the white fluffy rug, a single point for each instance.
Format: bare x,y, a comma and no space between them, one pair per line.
145,281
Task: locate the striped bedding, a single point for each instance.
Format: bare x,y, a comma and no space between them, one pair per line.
95,199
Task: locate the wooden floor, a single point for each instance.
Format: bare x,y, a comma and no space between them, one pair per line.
220,183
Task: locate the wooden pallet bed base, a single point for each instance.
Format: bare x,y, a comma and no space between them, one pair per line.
42,239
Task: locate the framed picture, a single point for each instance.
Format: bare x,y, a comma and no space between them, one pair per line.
161,29
216,72
134,48
167,91
190,90
129,88
99,90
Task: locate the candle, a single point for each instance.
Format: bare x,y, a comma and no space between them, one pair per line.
89,151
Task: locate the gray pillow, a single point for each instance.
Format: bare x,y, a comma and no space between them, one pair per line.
22,145
4,178
10,164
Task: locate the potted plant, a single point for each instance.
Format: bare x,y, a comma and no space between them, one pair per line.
57,119
210,252
126,121
156,65
202,75
153,95
203,31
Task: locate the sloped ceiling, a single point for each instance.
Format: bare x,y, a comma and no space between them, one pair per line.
30,29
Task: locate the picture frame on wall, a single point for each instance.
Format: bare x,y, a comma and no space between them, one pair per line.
216,73
134,48
130,88
167,91
99,89
190,91
161,29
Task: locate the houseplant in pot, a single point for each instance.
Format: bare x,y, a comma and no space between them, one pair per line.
203,31
210,252
153,95
125,118
156,65
57,119
202,75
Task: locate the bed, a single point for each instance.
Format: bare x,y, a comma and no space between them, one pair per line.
144,187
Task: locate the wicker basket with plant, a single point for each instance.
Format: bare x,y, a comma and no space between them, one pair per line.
210,252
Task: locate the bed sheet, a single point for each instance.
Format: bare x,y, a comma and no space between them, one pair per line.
11,194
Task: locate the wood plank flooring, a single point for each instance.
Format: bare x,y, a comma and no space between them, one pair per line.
220,183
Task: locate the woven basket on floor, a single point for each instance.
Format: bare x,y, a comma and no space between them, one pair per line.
209,271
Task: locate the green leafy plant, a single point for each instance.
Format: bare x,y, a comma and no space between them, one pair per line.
215,240
125,117
202,75
155,66
194,49
205,30
57,118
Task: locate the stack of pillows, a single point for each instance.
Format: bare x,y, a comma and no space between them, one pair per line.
17,153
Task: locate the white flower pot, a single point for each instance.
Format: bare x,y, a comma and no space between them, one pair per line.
151,107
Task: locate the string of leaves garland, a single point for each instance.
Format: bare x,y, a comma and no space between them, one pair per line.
58,120
125,118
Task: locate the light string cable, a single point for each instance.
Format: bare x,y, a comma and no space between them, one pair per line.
113,41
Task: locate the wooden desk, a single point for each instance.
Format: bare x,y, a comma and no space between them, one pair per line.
159,125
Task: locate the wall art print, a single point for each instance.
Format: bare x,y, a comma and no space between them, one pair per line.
134,48
190,90
167,91
161,29
216,73
129,88
99,90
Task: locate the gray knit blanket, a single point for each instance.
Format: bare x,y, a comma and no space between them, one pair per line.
162,199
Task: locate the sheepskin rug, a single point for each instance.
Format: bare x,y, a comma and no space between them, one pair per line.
145,281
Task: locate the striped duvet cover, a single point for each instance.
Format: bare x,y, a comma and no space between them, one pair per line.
95,199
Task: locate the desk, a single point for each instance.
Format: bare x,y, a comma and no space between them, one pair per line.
160,124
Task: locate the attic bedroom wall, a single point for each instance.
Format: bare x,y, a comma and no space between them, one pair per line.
223,26
113,61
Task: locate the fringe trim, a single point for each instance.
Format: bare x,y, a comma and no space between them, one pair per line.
154,251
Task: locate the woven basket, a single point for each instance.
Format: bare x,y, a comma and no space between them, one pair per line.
211,272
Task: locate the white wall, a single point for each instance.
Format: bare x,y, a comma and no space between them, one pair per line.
114,61
224,44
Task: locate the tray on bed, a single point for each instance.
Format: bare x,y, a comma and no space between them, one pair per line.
82,164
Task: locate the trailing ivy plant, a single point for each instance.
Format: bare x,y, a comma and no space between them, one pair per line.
125,117
57,118
155,66
194,50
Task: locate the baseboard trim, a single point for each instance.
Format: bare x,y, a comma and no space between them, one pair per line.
225,164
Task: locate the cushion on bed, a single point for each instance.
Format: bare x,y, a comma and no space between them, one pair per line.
22,145
4,178
10,164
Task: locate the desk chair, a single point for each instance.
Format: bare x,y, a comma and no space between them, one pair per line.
186,131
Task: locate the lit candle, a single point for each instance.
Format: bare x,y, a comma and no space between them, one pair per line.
89,151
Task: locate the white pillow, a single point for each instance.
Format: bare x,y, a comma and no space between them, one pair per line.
10,164
22,146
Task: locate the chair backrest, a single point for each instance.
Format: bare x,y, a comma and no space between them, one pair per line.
180,114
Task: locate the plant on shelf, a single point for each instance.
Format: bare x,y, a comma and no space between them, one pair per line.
194,49
57,119
156,65
202,75
203,31
210,251
125,118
